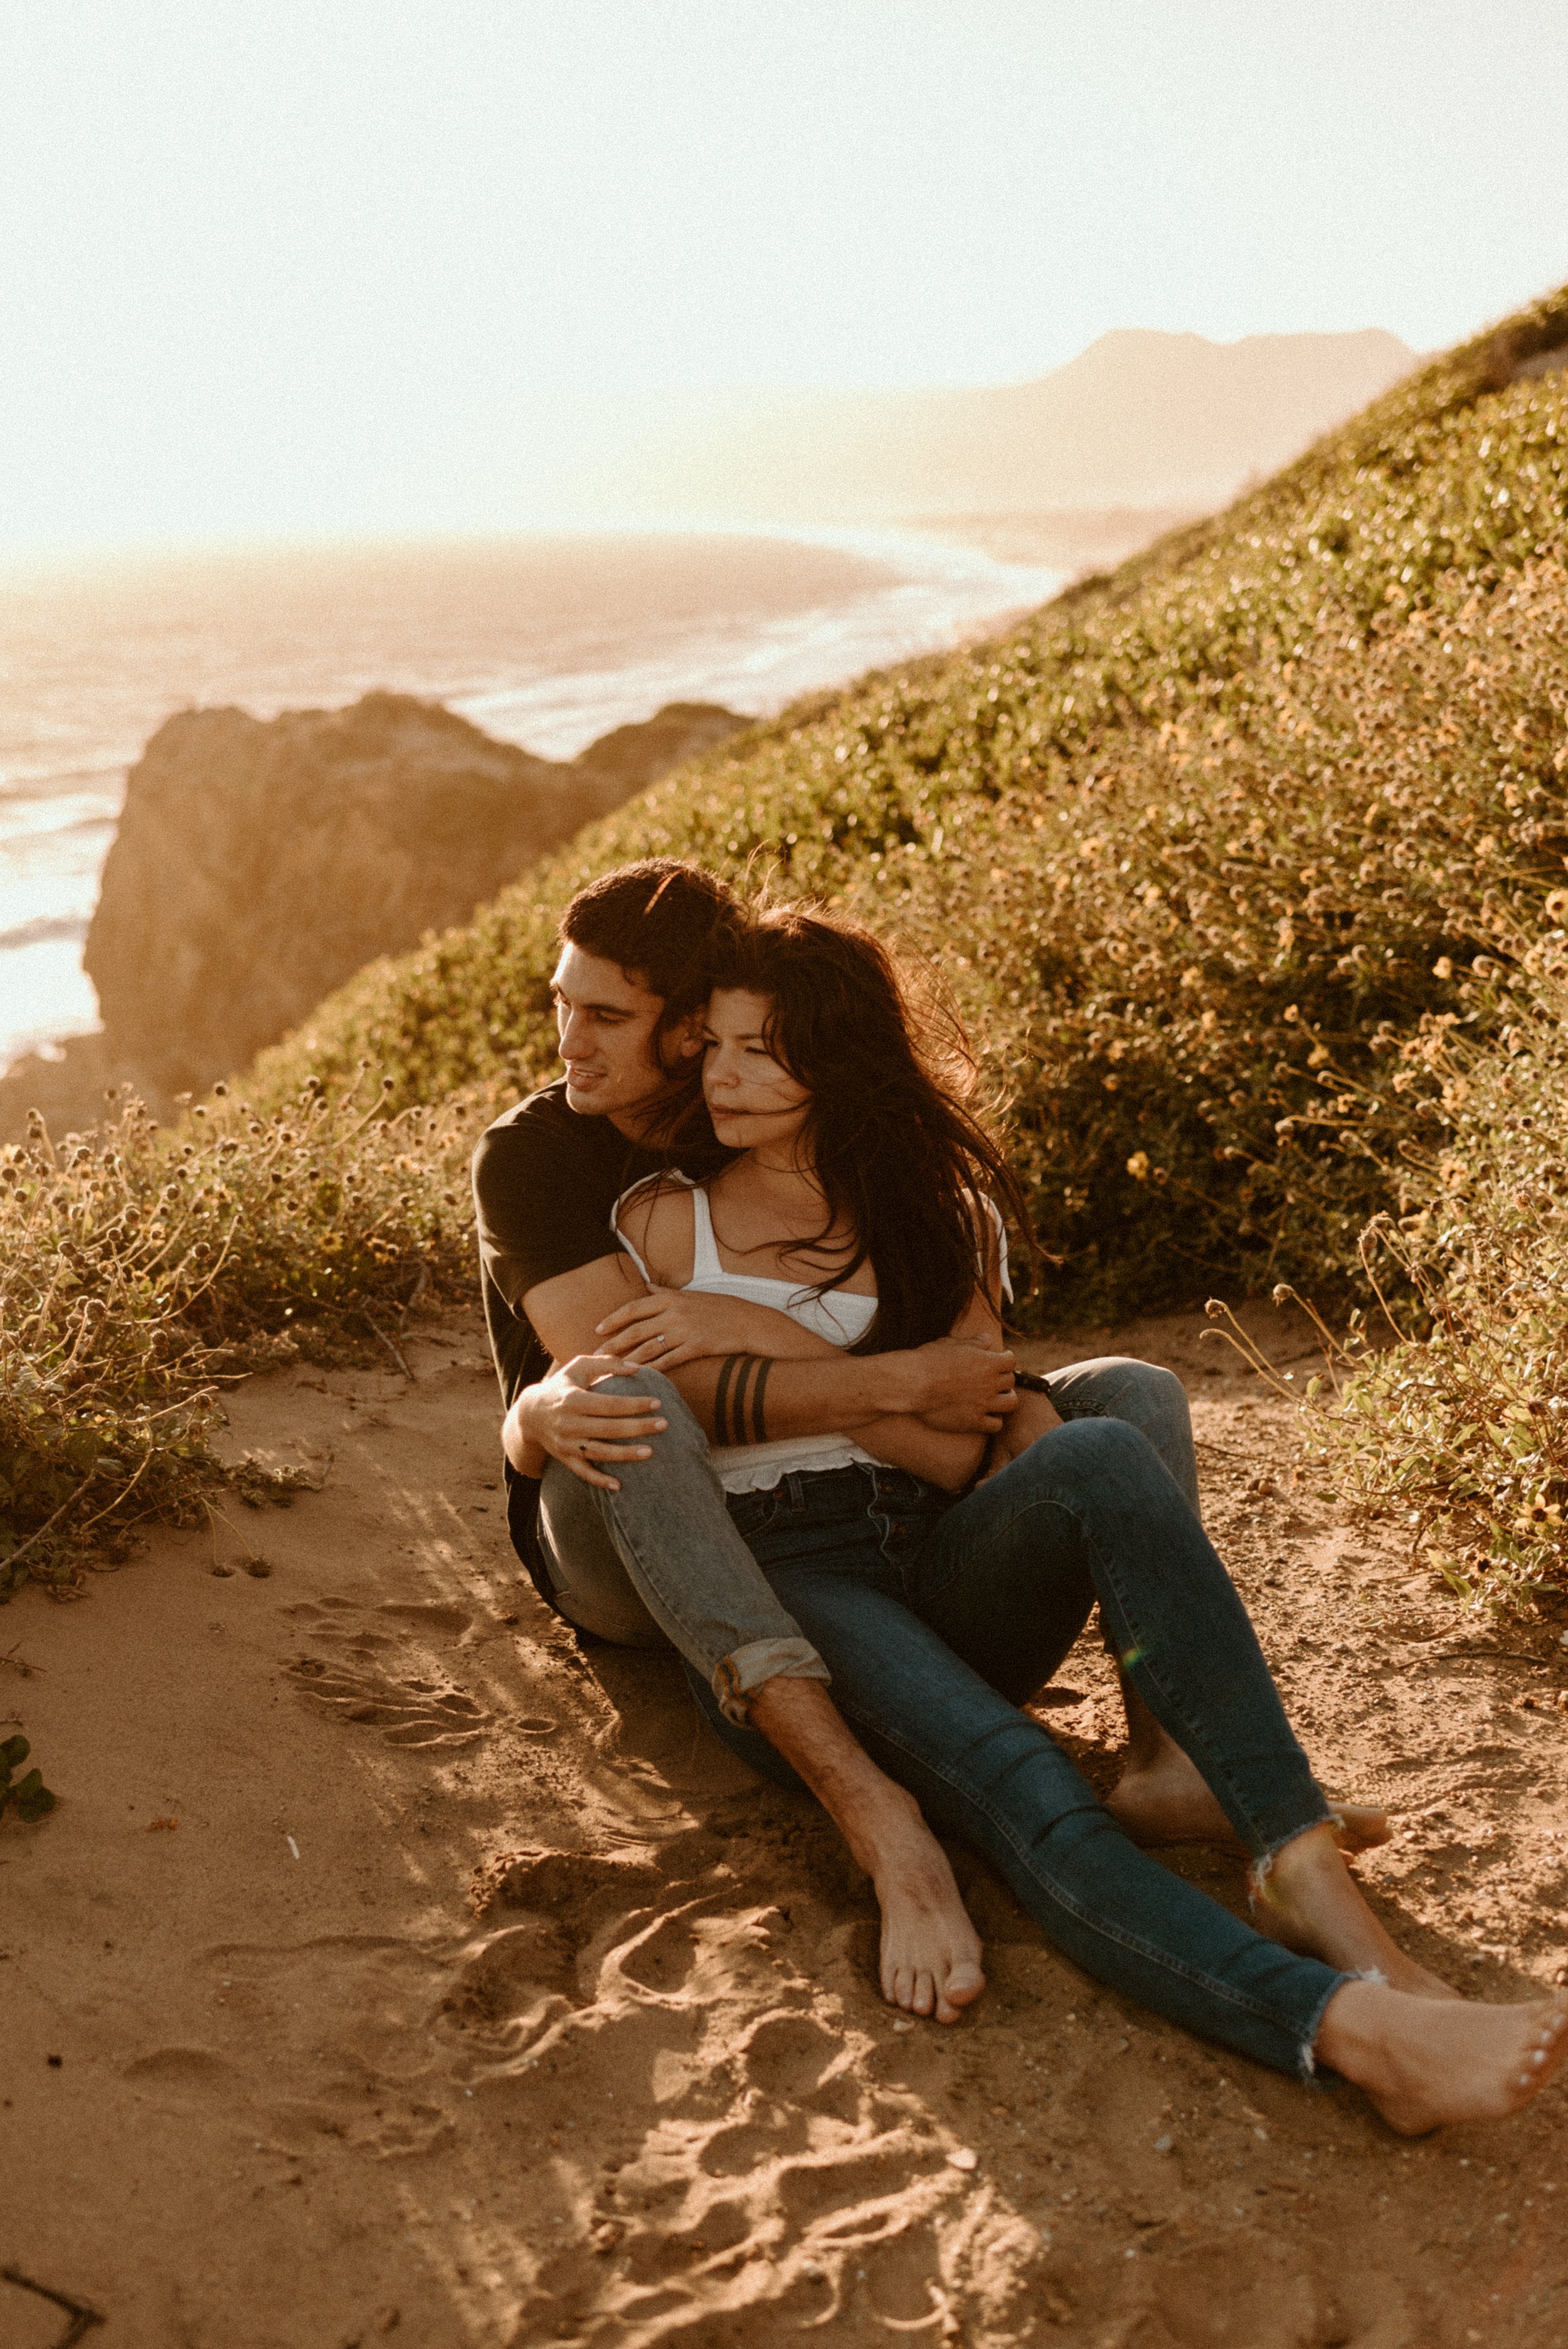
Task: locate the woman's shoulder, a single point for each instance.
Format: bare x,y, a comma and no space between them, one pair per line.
657,1220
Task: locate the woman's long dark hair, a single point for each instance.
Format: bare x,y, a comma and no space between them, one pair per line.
901,1158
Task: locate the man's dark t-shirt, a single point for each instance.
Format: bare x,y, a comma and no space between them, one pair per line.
545,1180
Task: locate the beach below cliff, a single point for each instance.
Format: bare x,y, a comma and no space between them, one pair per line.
392,1967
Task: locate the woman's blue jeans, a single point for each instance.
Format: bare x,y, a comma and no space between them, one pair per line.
939,1618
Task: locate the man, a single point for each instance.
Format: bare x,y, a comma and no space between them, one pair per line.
650,1554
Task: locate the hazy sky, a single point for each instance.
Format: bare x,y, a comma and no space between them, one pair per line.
272,267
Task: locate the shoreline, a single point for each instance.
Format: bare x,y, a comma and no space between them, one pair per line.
64,1072
752,616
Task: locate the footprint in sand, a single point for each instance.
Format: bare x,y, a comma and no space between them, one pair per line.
518,1980
765,2175
184,2076
333,2037
1205,2295
353,2103
412,1712
426,1615
330,1617
794,2059
578,1889
420,1710
511,1987
597,1932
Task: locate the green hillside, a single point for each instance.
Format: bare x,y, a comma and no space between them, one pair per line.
1194,845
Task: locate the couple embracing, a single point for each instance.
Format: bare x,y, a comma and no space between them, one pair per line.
744,1273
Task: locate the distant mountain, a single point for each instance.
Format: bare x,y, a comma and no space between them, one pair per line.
1139,418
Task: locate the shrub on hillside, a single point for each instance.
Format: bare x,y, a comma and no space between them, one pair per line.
1460,1429
1186,842
142,1269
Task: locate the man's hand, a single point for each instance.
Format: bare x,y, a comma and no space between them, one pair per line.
962,1386
1035,1416
566,1418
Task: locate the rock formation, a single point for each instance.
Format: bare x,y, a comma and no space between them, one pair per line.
635,756
257,865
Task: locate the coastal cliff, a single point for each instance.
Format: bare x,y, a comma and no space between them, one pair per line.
259,863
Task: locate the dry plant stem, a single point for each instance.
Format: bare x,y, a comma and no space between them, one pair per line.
1378,1227
1237,1339
83,2316
377,1331
215,1514
930,1963
1332,1351
121,1496
23,1548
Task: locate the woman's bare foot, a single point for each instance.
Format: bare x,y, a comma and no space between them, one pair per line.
1307,1898
1422,2063
1167,1801
930,1950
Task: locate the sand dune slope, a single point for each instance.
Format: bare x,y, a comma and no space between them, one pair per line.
392,1968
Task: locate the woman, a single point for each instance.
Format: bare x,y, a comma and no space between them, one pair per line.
858,1213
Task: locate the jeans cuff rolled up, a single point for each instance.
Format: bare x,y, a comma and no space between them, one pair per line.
738,1676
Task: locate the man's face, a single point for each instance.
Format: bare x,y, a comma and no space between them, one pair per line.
605,1019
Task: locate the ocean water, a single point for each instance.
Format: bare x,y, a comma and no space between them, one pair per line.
546,642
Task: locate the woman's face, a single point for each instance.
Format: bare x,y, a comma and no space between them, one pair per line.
753,1101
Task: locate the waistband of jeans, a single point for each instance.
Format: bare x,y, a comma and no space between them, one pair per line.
860,1481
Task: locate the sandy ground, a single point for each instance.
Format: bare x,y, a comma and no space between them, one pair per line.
391,1968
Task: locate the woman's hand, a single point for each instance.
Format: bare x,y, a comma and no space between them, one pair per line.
672,1326
565,1418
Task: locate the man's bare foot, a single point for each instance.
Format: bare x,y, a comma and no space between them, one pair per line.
1307,1898
1422,2063
1359,1826
1166,1800
930,1950
1163,1797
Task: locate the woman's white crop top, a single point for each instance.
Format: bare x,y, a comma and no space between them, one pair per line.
840,1318
758,1467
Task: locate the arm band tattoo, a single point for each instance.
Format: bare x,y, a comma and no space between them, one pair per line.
737,1402
737,1397
721,1397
